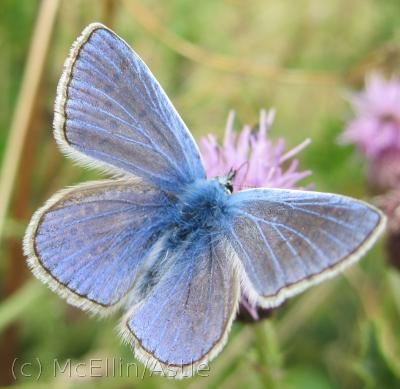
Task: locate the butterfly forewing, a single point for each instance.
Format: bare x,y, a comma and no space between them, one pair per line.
92,239
288,240
110,109
186,317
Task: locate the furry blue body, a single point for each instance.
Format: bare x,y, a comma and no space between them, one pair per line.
195,215
197,209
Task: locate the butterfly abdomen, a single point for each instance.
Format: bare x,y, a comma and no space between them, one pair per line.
197,213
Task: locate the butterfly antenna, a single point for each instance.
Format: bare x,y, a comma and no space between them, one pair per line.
245,175
247,170
244,186
244,163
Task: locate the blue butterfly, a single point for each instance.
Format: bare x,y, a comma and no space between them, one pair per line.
174,249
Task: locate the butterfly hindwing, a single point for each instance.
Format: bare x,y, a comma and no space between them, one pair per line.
287,240
88,242
185,319
112,113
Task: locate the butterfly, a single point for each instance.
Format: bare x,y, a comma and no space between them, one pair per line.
175,249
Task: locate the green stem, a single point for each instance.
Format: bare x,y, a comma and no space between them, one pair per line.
269,356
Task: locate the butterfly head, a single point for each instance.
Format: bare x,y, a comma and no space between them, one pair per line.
226,181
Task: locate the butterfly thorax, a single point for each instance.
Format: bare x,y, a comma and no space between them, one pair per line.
198,209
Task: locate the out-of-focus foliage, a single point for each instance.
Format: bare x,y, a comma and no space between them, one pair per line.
300,57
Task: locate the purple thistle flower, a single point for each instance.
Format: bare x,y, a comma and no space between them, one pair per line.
264,168
264,158
376,126
376,130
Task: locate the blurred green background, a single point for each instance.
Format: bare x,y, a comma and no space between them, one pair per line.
301,57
